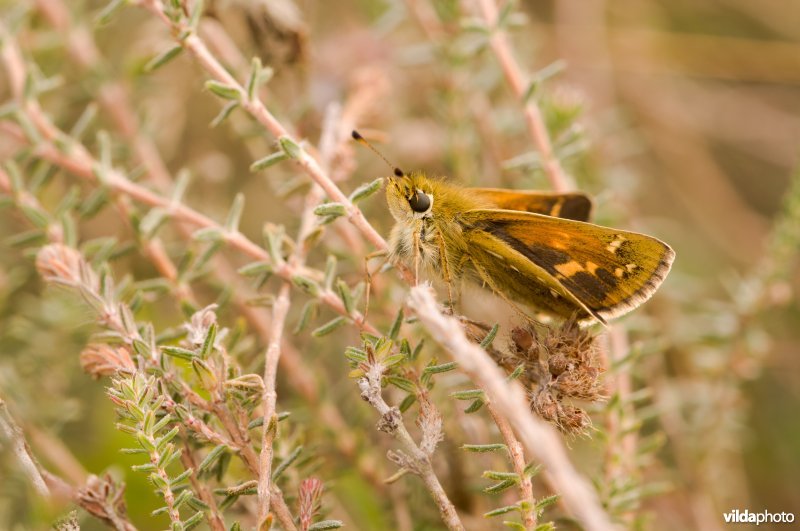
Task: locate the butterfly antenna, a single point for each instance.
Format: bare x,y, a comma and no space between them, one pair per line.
361,140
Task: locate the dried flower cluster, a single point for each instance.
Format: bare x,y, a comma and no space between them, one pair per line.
557,364
104,498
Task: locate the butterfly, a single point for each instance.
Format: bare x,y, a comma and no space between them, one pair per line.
529,247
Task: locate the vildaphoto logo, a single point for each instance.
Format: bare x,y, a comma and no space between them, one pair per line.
764,517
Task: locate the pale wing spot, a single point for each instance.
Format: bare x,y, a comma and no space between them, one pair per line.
570,268
556,210
560,240
619,272
616,244
631,267
592,268
554,293
498,256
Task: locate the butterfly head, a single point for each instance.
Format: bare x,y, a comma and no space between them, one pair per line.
409,196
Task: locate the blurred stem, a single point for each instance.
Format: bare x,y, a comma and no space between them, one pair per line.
13,434
54,452
620,458
534,120
516,453
48,485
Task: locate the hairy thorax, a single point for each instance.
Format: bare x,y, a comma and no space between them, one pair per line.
415,242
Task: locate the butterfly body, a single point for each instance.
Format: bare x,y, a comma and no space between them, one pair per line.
533,248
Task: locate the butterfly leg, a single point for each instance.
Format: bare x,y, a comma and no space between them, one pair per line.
416,258
446,273
368,291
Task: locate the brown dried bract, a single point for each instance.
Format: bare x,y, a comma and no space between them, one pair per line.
558,364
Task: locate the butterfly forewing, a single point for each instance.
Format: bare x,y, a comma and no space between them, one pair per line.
573,205
608,271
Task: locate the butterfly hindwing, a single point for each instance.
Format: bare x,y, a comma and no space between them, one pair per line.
500,268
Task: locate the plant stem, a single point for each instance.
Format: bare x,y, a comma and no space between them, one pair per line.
516,453
539,438
417,461
12,433
270,426
256,108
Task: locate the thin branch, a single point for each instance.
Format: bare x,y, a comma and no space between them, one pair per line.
79,162
256,108
270,425
621,419
516,453
214,517
412,457
539,438
620,463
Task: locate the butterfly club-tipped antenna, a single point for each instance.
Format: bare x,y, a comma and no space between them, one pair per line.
361,140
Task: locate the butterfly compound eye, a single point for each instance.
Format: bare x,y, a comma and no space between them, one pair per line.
419,202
